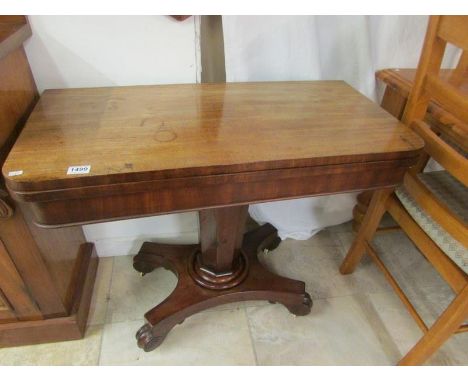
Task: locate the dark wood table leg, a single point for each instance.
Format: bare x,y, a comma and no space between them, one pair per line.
223,268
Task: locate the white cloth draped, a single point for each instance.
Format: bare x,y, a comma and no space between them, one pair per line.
349,48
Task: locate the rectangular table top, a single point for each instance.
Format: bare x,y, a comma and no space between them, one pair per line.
153,132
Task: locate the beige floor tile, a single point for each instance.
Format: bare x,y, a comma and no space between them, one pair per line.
426,290
131,295
453,353
324,238
412,271
99,302
345,227
336,332
345,238
207,338
318,266
356,319
84,352
398,331
394,326
430,301
406,263
344,235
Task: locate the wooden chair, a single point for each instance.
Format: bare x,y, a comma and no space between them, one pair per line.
398,84
432,208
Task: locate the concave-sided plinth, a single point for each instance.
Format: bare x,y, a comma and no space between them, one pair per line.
223,268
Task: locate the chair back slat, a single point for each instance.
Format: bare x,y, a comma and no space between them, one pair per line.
442,152
431,58
454,29
448,96
429,86
441,30
460,72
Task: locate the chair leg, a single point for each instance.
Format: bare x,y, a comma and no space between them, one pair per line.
369,225
446,325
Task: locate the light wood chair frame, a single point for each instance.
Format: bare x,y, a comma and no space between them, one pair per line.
441,30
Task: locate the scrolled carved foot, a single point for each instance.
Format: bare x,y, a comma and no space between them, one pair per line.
143,267
273,244
147,340
302,309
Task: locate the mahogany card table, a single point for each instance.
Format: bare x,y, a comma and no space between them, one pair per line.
102,154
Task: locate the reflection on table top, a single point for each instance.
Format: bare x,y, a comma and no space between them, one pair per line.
199,129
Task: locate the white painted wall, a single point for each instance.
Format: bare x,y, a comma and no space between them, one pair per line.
84,51
89,51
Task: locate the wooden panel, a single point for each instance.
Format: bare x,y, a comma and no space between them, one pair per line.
14,19
45,260
6,311
14,289
18,94
393,102
154,132
28,260
45,274
14,30
3,304
60,249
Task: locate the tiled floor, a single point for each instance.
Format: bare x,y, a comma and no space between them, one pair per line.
355,319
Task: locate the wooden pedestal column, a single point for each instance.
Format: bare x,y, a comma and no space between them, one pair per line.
223,268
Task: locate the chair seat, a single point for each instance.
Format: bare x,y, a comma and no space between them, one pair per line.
455,195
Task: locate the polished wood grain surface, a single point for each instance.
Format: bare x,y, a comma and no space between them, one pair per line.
18,96
154,132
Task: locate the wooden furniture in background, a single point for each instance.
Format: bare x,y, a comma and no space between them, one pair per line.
431,207
46,276
398,84
208,147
